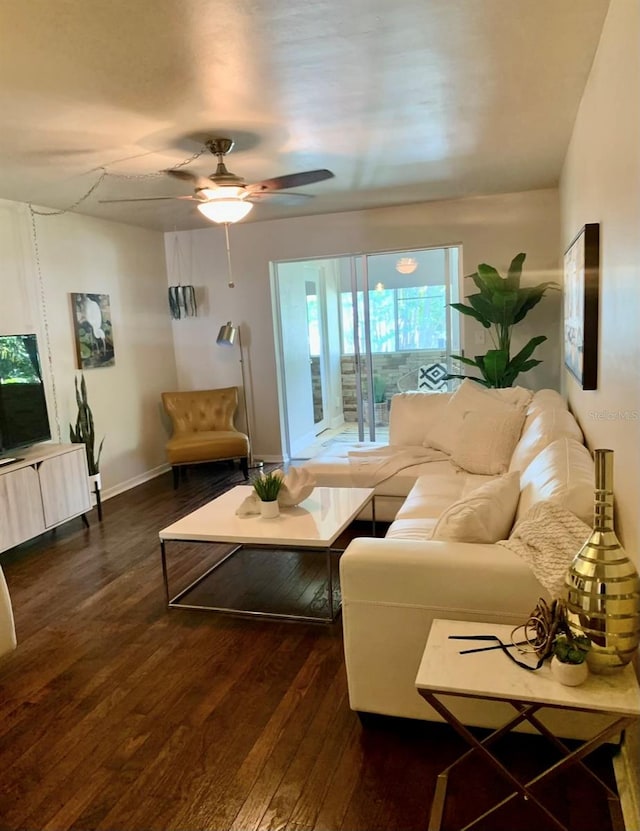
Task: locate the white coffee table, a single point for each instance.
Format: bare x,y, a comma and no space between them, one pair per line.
315,525
491,675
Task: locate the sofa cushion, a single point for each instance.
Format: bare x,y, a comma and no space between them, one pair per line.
540,430
546,400
485,515
411,529
430,495
563,473
470,396
486,441
412,414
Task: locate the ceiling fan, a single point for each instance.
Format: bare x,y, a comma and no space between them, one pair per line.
224,197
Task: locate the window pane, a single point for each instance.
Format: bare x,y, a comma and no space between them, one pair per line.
421,321
382,320
347,323
313,324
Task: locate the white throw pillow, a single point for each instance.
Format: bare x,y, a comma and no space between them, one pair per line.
412,413
486,441
471,396
485,515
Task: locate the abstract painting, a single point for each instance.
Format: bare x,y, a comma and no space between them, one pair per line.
93,332
581,297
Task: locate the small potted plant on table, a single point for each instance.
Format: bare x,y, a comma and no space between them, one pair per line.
267,487
568,664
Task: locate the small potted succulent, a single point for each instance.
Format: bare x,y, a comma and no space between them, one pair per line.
267,487
568,664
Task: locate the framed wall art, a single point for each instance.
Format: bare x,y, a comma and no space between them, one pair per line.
93,332
581,297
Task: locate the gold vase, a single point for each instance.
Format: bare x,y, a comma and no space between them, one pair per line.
602,586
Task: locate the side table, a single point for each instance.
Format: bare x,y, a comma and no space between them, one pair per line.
490,675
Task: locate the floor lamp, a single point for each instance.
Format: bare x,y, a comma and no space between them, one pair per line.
227,337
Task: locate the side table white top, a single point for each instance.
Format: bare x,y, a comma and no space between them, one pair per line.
491,675
317,522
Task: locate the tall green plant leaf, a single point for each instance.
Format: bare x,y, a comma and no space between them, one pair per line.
530,297
515,272
502,303
495,363
490,278
484,307
84,432
528,349
467,310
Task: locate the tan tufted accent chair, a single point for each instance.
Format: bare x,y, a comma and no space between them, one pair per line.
203,429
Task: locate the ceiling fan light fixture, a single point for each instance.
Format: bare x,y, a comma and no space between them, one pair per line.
406,265
225,209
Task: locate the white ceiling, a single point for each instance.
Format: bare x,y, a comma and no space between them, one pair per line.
404,100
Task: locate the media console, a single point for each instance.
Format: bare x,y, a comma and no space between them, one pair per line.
47,486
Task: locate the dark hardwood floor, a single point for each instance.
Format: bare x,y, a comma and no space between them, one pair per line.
119,714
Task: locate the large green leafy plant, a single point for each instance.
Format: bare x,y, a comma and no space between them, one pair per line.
499,305
84,432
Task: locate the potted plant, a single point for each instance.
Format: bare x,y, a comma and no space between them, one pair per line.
379,399
568,663
499,305
84,433
267,487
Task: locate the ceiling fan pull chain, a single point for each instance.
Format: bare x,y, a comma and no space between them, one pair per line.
231,284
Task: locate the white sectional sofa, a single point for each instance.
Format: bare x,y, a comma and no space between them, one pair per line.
392,588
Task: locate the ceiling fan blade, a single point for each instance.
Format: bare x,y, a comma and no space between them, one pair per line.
186,176
279,197
293,180
150,199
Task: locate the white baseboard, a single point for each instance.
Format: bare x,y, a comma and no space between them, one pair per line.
131,483
152,474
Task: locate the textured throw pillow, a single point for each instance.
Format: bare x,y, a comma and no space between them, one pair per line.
486,441
485,515
470,396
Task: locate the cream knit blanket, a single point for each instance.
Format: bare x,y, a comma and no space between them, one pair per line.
369,467
547,538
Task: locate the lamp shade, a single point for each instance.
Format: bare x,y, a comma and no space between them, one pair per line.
225,209
227,334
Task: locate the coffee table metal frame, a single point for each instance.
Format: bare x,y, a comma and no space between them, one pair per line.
526,709
333,606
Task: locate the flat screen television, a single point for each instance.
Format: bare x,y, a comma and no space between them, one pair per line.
23,406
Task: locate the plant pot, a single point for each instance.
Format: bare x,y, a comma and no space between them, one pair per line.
95,480
381,413
571,675
269,510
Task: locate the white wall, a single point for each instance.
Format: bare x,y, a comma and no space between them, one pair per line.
601,183
82,254
491,229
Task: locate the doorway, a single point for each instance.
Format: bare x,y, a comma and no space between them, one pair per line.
353,331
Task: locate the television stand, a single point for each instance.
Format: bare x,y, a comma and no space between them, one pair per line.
8,460
46,487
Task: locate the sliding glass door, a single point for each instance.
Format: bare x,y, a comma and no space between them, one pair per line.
353,331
